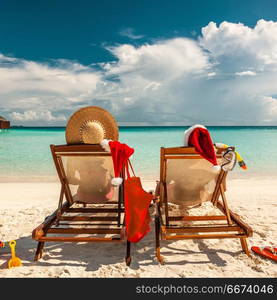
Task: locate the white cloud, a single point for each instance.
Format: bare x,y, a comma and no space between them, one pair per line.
246,73
130,33
64,79
163,61
31,115
211,74
226,77
39,87
239,46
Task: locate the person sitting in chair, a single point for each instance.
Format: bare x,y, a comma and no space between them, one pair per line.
92,178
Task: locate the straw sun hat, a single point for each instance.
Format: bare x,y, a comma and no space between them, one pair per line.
91,125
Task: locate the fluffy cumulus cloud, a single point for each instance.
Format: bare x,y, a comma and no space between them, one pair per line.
227,76
236,46
40,93
163,61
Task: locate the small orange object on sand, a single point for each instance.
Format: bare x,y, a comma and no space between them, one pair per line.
267,252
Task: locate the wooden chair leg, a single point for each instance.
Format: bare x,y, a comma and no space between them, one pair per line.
157,233
229,220
128,254
244,246
39,251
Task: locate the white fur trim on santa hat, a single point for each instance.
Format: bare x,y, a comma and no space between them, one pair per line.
189,131
105,145
117,181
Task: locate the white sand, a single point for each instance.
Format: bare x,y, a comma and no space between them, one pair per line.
23,206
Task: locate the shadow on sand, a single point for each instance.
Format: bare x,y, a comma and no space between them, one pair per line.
93,256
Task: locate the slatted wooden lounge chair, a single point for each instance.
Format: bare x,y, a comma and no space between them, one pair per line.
186,179
89,209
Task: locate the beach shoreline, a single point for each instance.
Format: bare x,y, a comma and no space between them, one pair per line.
24,205
238,174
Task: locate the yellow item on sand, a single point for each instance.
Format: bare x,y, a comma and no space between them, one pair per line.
238,156
14,261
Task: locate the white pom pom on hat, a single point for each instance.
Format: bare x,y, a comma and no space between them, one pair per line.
105,145
117,181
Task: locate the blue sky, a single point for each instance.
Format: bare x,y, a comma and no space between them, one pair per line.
42,30
211,62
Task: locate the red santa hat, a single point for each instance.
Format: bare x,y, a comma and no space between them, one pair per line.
120,154
198,136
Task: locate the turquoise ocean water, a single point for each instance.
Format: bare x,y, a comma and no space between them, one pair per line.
25,153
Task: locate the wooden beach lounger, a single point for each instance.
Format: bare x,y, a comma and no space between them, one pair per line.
186,179
89,209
